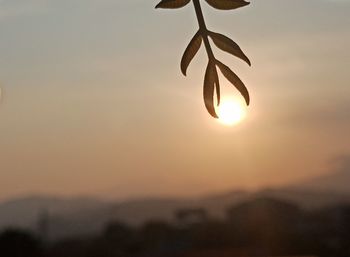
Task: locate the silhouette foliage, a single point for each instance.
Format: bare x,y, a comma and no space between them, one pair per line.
256,227
211,78
18,243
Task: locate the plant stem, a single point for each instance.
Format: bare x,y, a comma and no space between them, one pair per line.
203,29
204,33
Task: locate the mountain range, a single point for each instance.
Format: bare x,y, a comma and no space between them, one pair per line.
85,216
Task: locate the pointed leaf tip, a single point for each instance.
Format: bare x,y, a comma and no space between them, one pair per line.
190,52
172,4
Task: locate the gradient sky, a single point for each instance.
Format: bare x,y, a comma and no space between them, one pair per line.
94,102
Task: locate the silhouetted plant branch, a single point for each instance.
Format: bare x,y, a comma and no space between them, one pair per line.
211,79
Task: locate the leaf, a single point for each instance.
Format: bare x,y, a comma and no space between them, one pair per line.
227,4
228,45
208,89
235,80
217,86
190,52
172,4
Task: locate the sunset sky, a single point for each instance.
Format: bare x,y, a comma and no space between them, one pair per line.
94,103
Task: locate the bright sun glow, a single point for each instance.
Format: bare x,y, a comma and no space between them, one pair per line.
231,112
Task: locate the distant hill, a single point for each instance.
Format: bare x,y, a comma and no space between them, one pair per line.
24,212
336,182
83,216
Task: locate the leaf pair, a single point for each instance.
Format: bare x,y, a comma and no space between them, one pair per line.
218,4
221,41
211,82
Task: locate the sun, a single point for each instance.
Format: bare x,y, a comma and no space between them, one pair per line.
231,112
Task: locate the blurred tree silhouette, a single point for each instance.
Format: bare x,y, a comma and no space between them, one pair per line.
18,243
258,227
269,224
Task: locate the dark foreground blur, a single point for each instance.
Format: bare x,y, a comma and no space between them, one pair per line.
262,227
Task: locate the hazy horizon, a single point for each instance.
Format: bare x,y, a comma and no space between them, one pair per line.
94,103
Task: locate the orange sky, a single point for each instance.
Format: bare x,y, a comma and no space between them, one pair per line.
94,102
